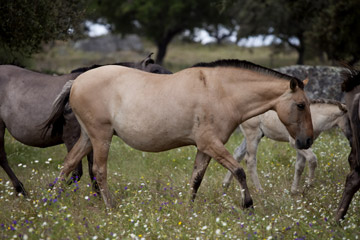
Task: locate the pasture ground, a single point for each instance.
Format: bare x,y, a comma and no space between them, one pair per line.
151,189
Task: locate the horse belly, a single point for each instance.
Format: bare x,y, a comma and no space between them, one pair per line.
33,137
153,135
27,130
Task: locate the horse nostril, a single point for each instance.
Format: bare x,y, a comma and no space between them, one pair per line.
309,142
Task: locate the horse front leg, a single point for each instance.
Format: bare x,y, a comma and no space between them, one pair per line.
312,159
239,154
299,169
18,186
216,149
201,163
352,185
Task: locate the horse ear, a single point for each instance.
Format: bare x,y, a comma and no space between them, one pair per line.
306,81
148,60
293,84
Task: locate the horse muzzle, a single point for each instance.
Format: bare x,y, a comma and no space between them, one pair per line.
304,143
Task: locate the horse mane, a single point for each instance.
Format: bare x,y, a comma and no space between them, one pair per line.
84,69
329,101
351,79
250,66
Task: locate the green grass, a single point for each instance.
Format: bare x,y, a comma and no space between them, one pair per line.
151,191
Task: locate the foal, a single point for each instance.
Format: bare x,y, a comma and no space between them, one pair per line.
198,106
325,114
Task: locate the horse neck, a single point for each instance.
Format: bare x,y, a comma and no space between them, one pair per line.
254,93
326,117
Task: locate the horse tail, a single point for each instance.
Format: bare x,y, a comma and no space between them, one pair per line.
56,120
355,119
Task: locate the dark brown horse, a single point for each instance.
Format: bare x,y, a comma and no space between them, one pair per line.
198,106
26,99
351,87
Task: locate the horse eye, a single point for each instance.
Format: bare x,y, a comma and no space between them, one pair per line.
301,106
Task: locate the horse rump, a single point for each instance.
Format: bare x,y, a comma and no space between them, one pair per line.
56,120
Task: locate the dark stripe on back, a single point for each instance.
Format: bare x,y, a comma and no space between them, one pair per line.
84,69
329,101
249,66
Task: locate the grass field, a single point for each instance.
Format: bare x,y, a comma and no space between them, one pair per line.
151,189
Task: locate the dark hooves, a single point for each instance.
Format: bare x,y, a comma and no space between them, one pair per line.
249,204
96,188
21,189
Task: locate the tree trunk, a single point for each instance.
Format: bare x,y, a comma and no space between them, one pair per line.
163,43
161,52
301,50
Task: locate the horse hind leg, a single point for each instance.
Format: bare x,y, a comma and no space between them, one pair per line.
78,172
101,140
18,186
251,161
73,158
95,185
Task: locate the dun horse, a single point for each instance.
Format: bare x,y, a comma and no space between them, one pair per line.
351,87
25,102
200,106
325,114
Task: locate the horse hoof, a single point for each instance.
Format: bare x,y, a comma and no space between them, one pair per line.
20,189
96,188
294,190
310,183
249,204
225,185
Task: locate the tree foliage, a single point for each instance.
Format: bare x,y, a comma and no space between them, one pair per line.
160,21
336,30
329,26
25,25
289,21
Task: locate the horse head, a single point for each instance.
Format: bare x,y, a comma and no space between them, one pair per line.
293,110
149,65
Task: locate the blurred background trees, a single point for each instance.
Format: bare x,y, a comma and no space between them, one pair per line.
160,21
26,25
323,29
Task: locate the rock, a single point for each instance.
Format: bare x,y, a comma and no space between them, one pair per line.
324,81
